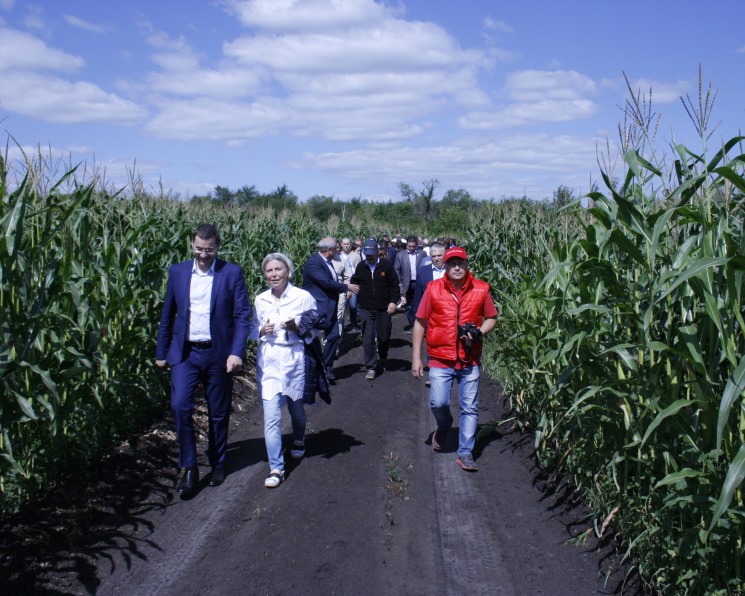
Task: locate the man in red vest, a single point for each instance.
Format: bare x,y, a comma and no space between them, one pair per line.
456,311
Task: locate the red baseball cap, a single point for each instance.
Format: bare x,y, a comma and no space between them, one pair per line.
455,252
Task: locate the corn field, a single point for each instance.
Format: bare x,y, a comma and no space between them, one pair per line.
622,346
620,339
82,278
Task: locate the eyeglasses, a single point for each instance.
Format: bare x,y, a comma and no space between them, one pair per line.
207,251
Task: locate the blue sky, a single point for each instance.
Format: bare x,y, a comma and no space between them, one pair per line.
348,98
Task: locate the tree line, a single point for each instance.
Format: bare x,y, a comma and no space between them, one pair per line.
415,209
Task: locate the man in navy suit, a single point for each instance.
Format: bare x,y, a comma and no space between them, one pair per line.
203,332
429,272
407,265
320,279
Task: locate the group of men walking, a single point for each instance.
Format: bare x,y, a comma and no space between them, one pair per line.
206,323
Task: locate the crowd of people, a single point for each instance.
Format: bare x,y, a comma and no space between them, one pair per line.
349,286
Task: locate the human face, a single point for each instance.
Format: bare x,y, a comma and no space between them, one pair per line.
456,270
205,252
438,256
346,245
411,247
277,275
327,253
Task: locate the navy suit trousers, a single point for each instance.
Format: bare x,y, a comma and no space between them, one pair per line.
201,365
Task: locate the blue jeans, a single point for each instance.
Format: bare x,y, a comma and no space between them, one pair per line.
441,383
273,427
352,306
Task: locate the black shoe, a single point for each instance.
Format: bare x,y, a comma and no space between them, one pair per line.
188,483
218,477
331,376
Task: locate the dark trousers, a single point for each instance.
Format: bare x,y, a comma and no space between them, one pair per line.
201,365
331,338
410,313
375,322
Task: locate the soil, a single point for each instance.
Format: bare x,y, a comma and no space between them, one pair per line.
371,509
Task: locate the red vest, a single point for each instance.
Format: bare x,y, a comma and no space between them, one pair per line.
447,314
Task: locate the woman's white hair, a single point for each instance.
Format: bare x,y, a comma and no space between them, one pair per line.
282,258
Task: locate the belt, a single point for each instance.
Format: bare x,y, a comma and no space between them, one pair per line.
200,345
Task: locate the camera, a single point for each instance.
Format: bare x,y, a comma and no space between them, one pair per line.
470,328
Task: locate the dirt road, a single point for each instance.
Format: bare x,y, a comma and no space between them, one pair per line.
370,510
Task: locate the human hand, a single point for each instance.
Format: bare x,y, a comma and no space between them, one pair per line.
391,308
234,364
161,363
354,288
267,328
417,370
290,325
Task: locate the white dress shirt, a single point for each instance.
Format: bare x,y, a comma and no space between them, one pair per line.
200,295
412,265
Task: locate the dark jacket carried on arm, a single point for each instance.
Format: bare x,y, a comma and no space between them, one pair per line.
378,289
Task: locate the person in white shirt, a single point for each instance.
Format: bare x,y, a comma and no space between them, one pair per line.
351,258
280,360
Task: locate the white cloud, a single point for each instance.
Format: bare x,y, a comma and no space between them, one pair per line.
74,21
6,4
308,15
661,92
540,97
181,67
510,166
377,82
540,85
54,100
394,45
25,52
497,25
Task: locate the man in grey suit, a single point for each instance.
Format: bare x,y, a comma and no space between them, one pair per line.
407,264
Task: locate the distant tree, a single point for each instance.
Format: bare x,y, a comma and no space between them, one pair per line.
282,198
247,195
563,195
321,207
422,199
460,198
223,194
452,220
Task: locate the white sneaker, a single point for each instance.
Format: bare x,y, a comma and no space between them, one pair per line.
274,479
370,374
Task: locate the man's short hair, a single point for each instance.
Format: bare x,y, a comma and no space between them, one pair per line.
206,231
326,243
436,246
413,239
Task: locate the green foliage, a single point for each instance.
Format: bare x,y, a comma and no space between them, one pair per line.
622,344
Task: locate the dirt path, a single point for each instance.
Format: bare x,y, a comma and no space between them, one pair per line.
370,510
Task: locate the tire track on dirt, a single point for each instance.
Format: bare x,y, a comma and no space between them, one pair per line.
470,554
185,542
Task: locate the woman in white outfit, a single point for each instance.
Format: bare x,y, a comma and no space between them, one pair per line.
280,360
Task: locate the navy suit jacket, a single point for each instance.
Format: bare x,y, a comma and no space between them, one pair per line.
423,277
323,286
230,312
